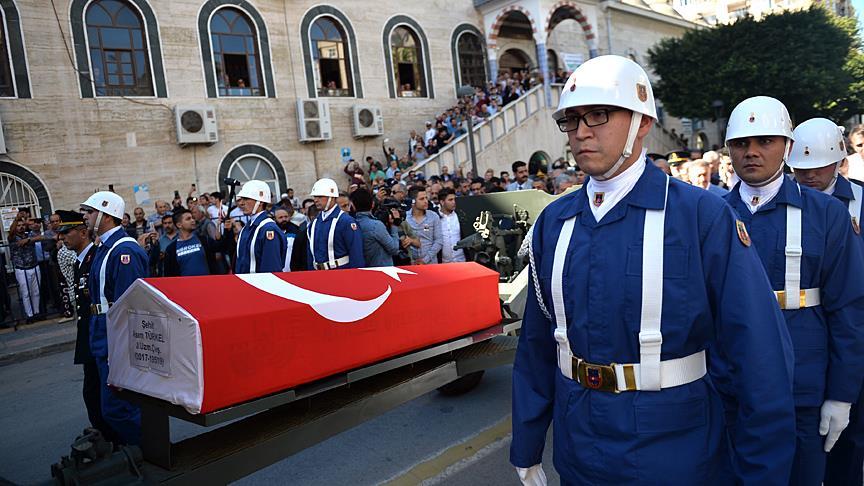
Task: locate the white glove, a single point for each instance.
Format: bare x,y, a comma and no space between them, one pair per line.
835,418
532,476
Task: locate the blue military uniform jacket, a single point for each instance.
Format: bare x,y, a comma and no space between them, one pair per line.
828,339
347,240
843,192
270,247
715,295
126,263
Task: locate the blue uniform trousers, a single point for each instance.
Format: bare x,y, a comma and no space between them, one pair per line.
809,465
122,416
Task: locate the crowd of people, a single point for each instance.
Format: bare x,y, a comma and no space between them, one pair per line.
420,144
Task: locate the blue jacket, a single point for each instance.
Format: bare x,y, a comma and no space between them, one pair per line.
828,338
127,262
379,245
715,296
843,192
347,240
270,247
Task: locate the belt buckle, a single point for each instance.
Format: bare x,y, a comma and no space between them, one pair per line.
598,377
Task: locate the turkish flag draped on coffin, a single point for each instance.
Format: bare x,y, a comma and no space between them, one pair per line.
206,343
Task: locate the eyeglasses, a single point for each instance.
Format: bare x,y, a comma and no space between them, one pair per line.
592,118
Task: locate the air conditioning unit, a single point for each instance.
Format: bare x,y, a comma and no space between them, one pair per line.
313,120
368,121
196,124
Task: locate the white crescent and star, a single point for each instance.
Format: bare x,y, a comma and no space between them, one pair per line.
332,307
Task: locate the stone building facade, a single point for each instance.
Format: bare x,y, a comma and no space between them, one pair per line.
84,108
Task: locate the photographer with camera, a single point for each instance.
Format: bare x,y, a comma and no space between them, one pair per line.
380,235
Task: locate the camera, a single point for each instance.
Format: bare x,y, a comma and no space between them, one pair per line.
230,182
382,212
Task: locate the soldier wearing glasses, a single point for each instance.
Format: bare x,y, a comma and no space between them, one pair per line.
636,279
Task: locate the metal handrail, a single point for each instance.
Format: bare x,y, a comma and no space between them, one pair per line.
509,108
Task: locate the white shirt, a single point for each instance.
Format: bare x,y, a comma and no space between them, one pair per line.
856,167
756,197
451,235
429,135
83,253
605,195
215,212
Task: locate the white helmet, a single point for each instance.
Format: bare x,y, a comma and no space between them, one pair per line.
608,80
107,202
325,187
759,116
612,81
256,190
818,143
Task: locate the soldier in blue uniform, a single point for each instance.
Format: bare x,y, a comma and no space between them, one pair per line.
335,240
635,279
117,263
261,247
815,264
816,157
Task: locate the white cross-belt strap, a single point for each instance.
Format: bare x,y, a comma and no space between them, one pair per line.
564,354
103,301
650,337
252,262
855,203
793,251
330,253
650,373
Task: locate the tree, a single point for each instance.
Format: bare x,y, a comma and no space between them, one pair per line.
810,60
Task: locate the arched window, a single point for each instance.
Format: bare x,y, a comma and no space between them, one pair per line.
7,86
252,167
119,62
472,63
407,55
235,53
330,58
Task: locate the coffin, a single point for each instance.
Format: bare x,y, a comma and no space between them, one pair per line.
206,343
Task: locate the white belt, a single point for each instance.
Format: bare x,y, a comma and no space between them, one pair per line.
617,378
339,262
807,298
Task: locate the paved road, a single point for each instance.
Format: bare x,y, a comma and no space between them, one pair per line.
433,439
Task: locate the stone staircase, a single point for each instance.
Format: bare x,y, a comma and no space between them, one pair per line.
520,129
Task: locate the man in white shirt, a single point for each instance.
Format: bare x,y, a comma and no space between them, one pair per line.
450,231
430,133
856,160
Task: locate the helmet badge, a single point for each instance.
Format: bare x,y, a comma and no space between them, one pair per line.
752,117
573,86
642,92
261,193
806,150
104,204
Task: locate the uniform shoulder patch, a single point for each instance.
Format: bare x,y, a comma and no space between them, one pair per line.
742,232
271,234
125,259
354,226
